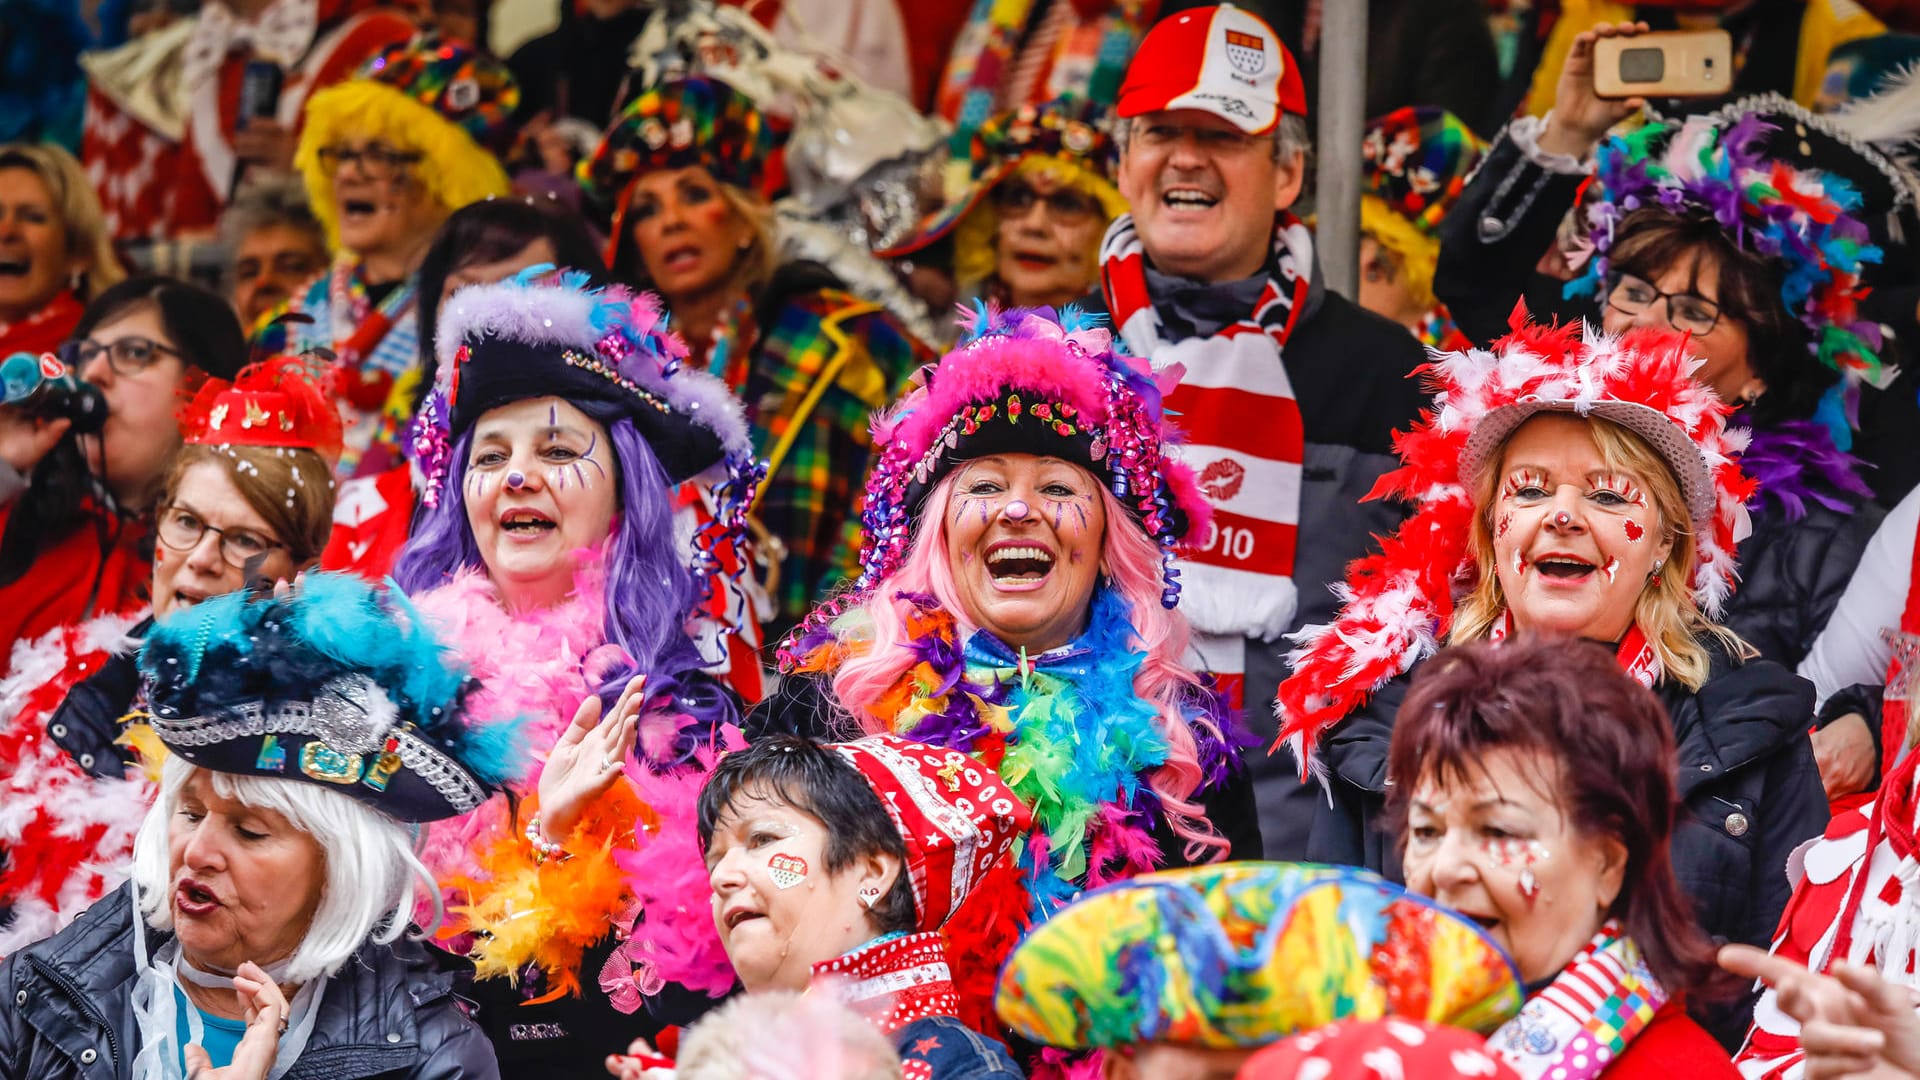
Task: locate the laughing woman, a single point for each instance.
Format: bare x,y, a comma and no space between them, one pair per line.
546,554
1579,488
239,502
685,167
1015,604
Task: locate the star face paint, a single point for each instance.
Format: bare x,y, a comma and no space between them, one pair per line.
1024,537
527,532
1497,844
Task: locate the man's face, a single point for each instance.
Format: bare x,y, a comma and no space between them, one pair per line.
270,263
1204,193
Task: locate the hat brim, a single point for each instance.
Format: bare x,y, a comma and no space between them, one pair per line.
1682,455
501,371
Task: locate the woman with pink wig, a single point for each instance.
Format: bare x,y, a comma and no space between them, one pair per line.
1016,602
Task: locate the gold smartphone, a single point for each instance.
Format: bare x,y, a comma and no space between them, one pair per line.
1669,64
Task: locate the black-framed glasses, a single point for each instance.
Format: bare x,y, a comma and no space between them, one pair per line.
376,161
1690,312
182,530
128,356
1017,197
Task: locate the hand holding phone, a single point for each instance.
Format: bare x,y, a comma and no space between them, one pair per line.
1680,63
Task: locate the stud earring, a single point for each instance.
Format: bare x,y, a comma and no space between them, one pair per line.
869,896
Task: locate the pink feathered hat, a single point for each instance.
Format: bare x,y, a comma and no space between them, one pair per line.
1036,382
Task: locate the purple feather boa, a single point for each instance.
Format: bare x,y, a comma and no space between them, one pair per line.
1796,463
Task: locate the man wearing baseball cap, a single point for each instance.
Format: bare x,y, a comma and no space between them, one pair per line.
1290,393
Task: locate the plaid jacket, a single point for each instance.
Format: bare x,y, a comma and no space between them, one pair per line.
826,361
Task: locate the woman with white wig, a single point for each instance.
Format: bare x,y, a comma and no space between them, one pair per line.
265,932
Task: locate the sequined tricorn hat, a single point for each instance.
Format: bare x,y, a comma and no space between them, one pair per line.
956,816
339,684
546,333
1399,602
1241,954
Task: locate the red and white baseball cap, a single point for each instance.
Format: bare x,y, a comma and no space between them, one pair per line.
1220,60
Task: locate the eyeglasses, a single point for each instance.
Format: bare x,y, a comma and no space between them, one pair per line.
128,356
1014,197
1686,311
376,161
182,530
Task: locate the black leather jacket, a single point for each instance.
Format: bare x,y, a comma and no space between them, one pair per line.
66,1011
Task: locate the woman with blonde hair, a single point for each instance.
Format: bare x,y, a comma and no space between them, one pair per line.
685,169
55,255
1573,487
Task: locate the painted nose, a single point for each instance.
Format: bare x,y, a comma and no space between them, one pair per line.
1017,510
516,480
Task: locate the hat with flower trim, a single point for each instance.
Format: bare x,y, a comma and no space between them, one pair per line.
1068,137
339,684
440,102
1241,954
1813,194
1027,381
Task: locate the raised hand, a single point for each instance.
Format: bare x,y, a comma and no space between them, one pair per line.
1581,117
265,1011
640,1062
587,760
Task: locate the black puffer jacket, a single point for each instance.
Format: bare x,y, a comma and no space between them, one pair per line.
1747,776
389,1013
1792,574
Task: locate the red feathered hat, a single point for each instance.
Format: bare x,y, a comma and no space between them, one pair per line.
1399,603
955,814
281,402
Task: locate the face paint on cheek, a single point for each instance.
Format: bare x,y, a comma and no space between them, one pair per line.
1611,568
1500,530
1634,531
1519,562
593,443
786,870
1509,852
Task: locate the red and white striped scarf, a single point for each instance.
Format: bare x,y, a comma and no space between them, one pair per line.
1244,438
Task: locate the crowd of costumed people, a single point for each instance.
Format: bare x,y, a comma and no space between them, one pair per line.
865,539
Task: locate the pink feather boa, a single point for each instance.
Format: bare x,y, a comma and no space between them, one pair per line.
533,666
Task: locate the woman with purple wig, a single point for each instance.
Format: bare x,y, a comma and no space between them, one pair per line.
1016,603
545,550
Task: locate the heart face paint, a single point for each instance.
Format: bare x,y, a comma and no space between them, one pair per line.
786,870
1633,530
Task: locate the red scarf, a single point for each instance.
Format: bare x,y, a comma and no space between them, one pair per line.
1635,654
44,330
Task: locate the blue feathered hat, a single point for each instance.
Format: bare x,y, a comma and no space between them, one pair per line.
338,684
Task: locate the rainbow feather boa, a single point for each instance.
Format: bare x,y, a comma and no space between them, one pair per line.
1066,730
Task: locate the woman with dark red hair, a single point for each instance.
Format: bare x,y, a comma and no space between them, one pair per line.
1532,788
